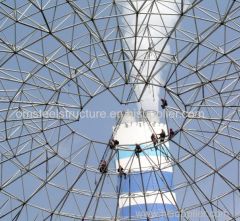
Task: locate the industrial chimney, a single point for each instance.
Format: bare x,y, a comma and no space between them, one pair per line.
146,178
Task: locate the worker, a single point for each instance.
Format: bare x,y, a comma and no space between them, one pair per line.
162,136
171,133
103,166
121,172
138,150
164,103
154,139
113,143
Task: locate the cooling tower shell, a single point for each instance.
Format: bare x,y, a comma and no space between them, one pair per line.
138,130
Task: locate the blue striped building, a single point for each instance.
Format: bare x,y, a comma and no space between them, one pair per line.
146,193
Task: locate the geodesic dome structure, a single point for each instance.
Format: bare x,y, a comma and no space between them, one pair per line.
62,56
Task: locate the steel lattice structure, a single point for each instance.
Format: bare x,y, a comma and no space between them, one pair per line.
58,55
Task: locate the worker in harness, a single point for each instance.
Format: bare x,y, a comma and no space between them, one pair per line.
164,103
171,133
121,172
103,166
154,139
162,136
138,150
113,143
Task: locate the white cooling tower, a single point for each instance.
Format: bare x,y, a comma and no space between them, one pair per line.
146,191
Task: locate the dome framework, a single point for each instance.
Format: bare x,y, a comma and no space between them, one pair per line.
60,56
